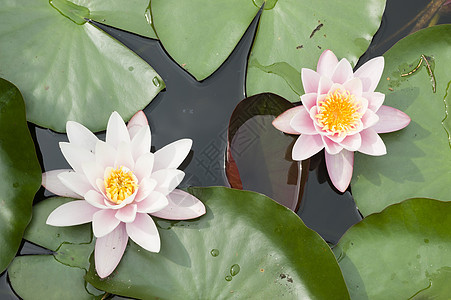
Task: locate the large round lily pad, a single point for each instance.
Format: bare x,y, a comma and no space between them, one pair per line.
19,169
201,34
246,246
68,69
418,159
404,252
64,269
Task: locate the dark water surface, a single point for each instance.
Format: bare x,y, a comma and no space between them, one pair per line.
201,111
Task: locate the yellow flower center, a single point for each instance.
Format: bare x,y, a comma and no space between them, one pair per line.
119,184
339,113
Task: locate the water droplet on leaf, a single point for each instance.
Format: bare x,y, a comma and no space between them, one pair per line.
156,81
214,252
228,278
235,269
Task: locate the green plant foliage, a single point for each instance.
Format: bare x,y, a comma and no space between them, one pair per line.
201,34
246,246
418,159
65,269
68,69
404,252
20,171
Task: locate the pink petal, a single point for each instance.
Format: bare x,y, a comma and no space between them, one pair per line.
140,144
339,167
307,146
95,199
327,63
309,100
136,122
72,213
76,182
104,222
124,157
76,155
352,142
375,100
105,155
390,119
116,131
51,182
146,186
342,72
310,80
370,73
81,136
167,180
282,122
182,206
302,123
369,119
331,146
144,232
372,143
172,155
127,213
144,166
354,86
324,86
154,202
109,250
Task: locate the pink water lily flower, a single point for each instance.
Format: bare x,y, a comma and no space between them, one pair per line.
120,182
342,113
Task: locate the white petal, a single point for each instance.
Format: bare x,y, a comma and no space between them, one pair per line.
182,206
116,131
81,136
127,213
51,182
76,155
172,155
146,186
144,166
76,182
109,250
95,199
144,232
136,122
72,213
124,156
140,144
105,155
156,201
104,222
92,172
167,180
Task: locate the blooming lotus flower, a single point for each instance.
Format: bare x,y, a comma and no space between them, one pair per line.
120,183
342,113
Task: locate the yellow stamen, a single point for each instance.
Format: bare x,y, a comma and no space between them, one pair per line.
119,184
339,113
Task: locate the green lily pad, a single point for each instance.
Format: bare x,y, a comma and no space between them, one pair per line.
404,252
201,34
246,246
65,269
68,69
20,171
418,159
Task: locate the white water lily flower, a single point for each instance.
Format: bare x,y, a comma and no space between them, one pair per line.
120,183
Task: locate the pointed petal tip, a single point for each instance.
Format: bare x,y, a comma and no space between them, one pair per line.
139,119
282,122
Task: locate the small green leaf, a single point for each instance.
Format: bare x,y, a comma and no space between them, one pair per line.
20,171
246,246
401,253
418,159
68,71
65,269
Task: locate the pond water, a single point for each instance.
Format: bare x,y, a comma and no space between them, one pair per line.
201,111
